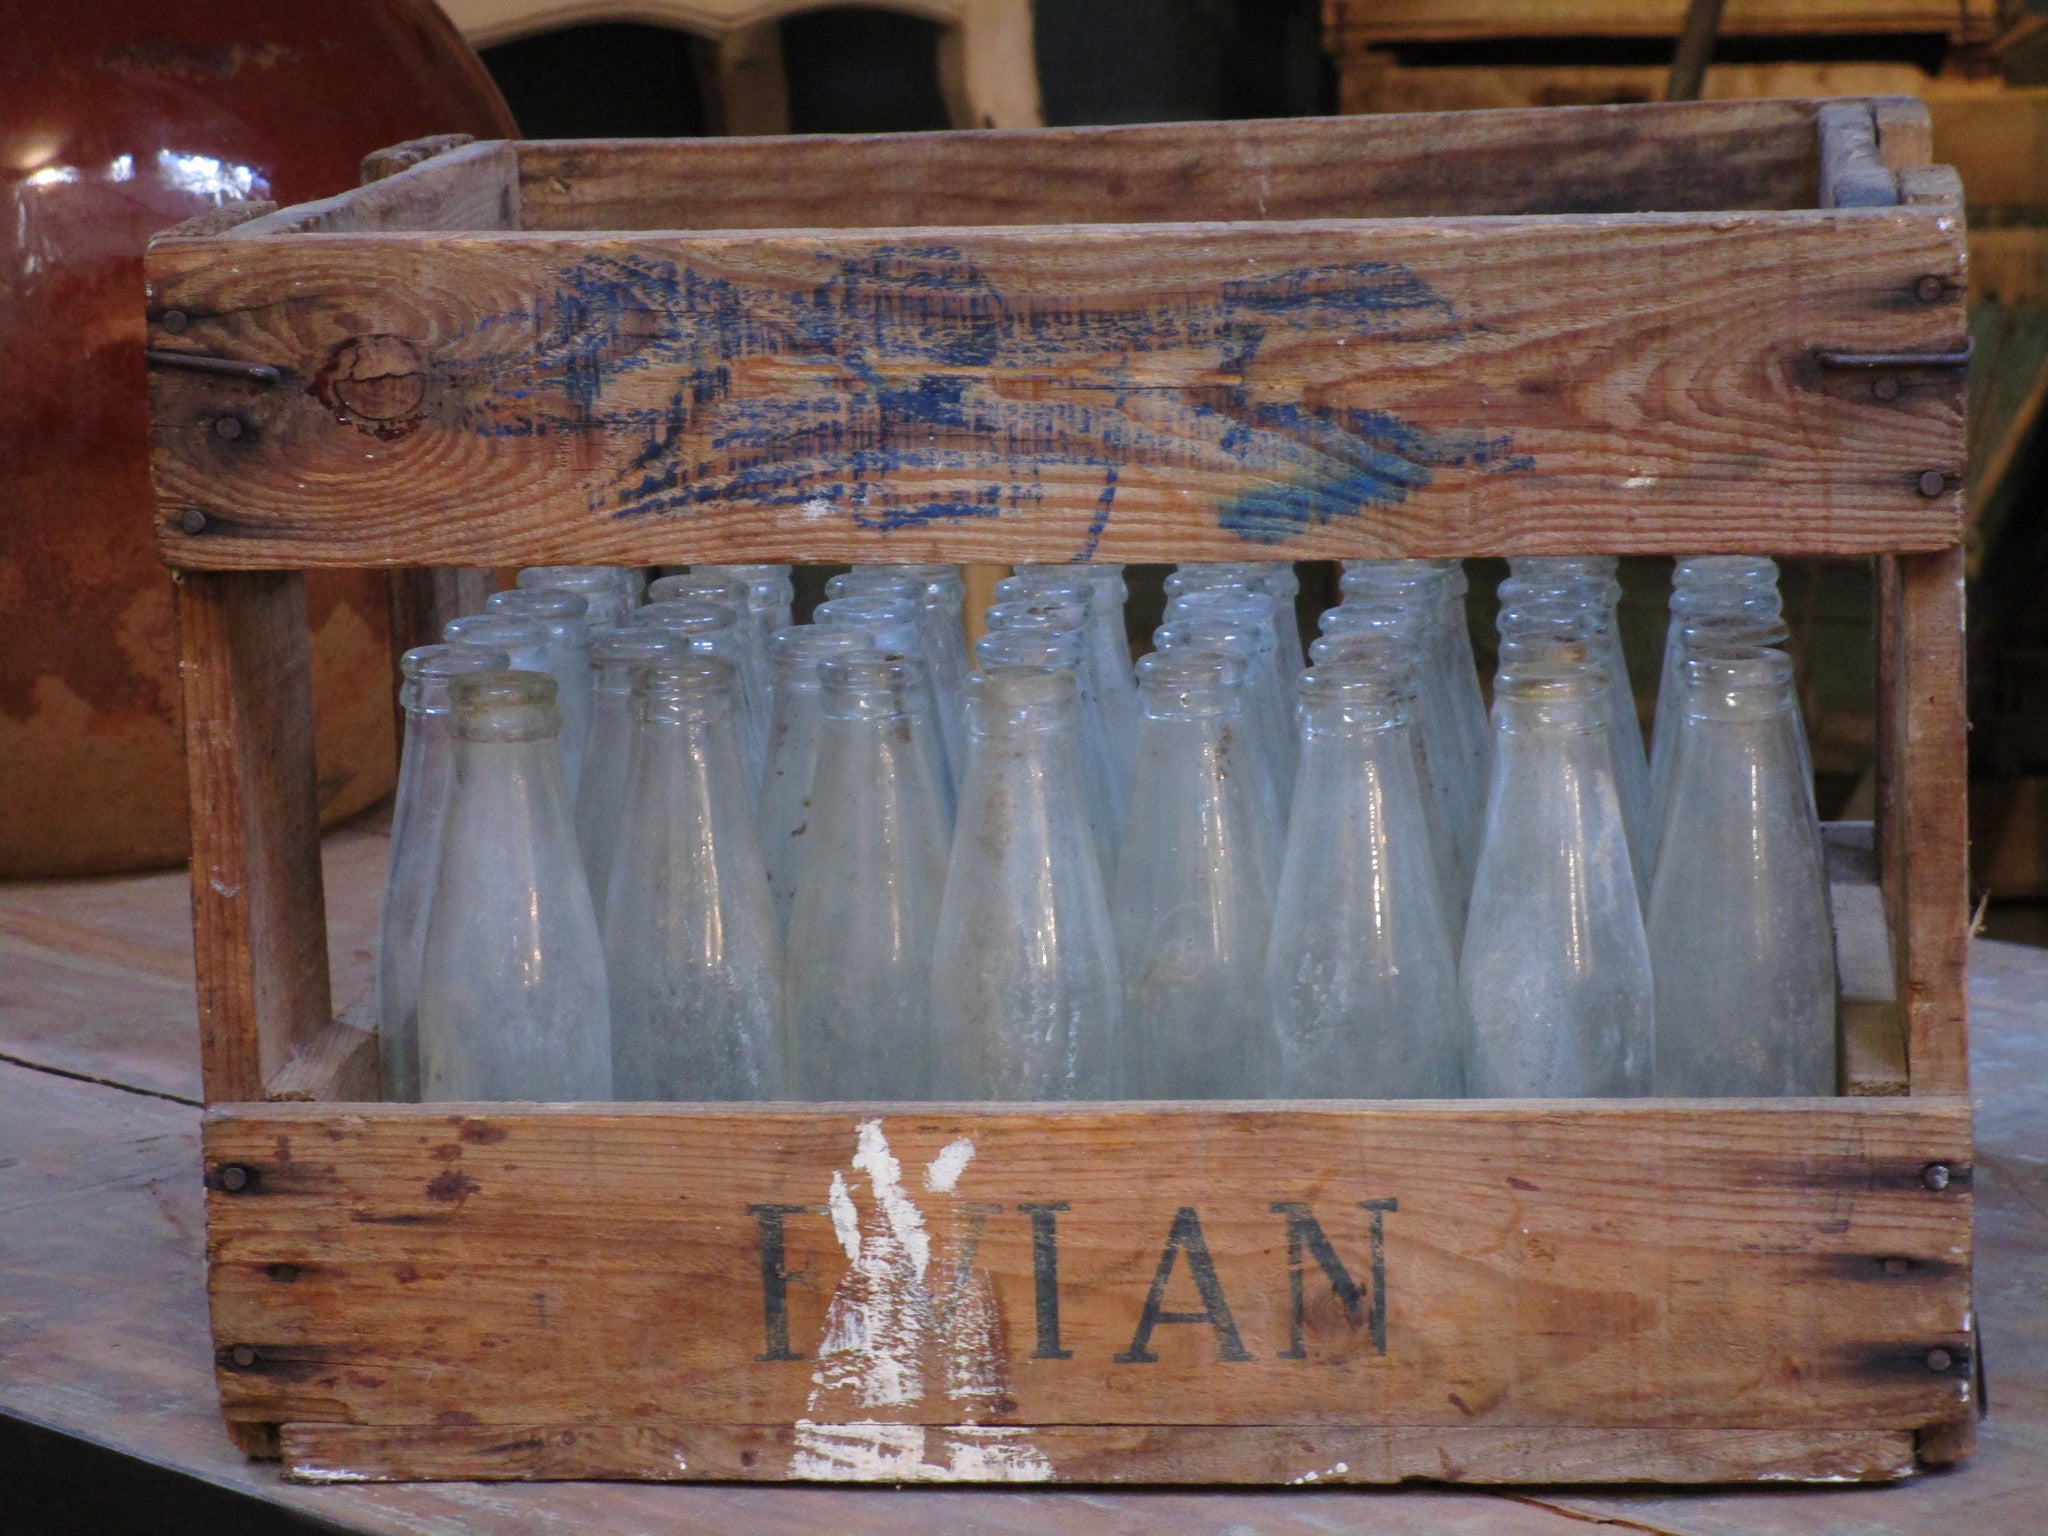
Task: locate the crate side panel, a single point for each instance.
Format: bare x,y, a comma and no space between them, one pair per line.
1499,1266
1628,159
1306,391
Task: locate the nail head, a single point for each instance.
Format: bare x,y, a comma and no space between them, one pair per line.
1885,387
229,427
1940,1360
1929,288
1932,482
175,321
236,1177
243,1356
192,520
1935,1175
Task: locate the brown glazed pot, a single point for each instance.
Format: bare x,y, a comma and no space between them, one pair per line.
118,119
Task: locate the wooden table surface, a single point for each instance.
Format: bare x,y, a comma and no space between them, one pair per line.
103,1318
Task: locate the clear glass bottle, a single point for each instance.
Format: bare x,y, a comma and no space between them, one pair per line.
1739,598
1099,587
1025,988
867,903
1555,974
689,934
1248,648
1432,593
1270,578
1741,943
1044,614
603,587
897,623
1060,651
512,997
562,615
1715,634
1193,899
1227,605
525,643
720,630
601,794
769,596
1361,979
797,651
426,769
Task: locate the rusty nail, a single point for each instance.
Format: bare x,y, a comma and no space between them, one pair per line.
1885,387
175,321
1935,1175
229,427
1929,288
192,520
1939,1360
1932,482
1897,1266
236,1177
243,1356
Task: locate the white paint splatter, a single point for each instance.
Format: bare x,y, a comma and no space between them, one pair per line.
845,1219
871,1452
1338,1470
945,1170
817,508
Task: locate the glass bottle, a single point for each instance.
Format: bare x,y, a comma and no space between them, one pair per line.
689,934
603,587
426,768
897,623
1247,646
1740,595
1060,650
525,643
769,594
1255,609
1740,938
1025,988
1045,614
718,629
512,999
1361,978
1193,902
797,651
943,596
1270,578
561,614
1555,974
1099,587
601,794
867,901
1433,593
1711,634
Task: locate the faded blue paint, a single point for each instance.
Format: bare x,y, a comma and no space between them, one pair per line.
919,369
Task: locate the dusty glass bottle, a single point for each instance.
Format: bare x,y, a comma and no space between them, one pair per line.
769,594
1270,578
896,622
1107,645
525,643
1245,646
1026,996
512,998
868,893
719,630
797,651
601,794
1432,594
1044,614
1193,900
1238,605
1060,651
1740,939
602,587
1738,601
426,769
1711,634
689,934
1360,978
1555,974
562,615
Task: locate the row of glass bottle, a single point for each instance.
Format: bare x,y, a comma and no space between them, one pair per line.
1311,962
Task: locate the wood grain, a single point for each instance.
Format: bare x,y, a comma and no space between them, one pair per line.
380,164
1545,1265
1693,157
1316,1456
259,921
1315,390
472,186
1870,1026
1852,175
1905,131
338,1064
1384,21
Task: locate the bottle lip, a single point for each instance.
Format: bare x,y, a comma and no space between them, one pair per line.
1022,588
1740,684
1563,618
746,573
1209,634
684,674
698,586
867,608
1022,688
511,705
570,578
1189,684
869,685
807,644
877,581
1567,695
1366,619
1541,565
498,631
1346,693
1696,569
1239,603
448,659
1395,654
1036,613
687,615
1732,629
550,605
632,642
1028,648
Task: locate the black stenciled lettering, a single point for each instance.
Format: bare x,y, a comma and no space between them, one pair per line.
1186,1237
774,1278
1305,1236
1045,1277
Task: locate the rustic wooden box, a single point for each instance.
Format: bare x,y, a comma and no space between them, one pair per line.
1724,326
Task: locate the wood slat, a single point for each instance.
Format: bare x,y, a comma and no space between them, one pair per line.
1467,387
1067,1453
1696,1265
1627,159
259,919
1852,174
1362,22
1870,1026
470,186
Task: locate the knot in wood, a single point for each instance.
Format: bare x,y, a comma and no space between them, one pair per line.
375,382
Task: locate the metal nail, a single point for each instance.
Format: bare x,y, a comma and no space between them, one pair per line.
1940,1360
1929,288
1934,1175
200,362
1896,1266
229,427
1885,387
1932,483
192,520
175,321
243,1355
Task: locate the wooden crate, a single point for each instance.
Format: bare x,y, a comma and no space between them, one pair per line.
1644,330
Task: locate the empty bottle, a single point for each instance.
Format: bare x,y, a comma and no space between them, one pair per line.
1256,610
512,999
1040,614
1247,646
719,630
767,595
1740,938
524,642
601,794
940,594
1193,903
1270,578
1739,592
1432,593
1555,974
868,893
689,935
1060,651
797,651
603,587
1360,978
426,769
1025,986
896,622
561,614
1107,646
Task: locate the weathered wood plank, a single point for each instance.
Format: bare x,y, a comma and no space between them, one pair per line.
1693,1265
1870,1026
1851,173
1905,131
1385,21
1311,390
1630,159
1066,1453
259,921
471,186
337,1064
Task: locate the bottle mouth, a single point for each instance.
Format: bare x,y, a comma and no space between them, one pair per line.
698,586
1189,684
688,686
1028,648
1395,653
552,607
496,632
1032,697
876,685
619,643
1252,645
1036,613
602,579
505,706
797,649
428,670
1548,695
1352,696
1698,570
687,615
1738,684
